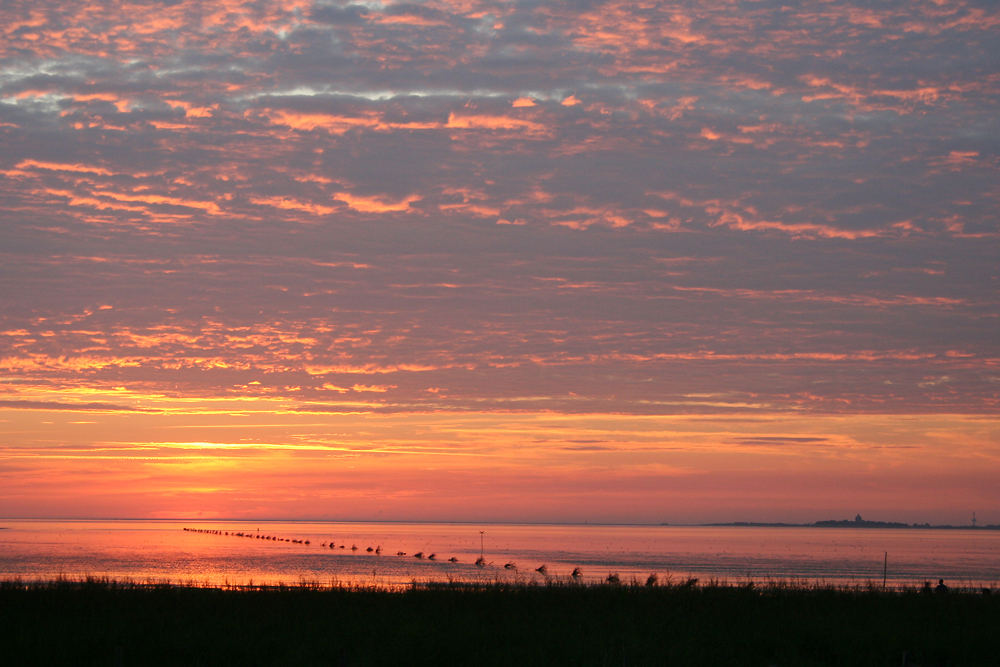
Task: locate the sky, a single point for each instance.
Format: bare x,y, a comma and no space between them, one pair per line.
509,261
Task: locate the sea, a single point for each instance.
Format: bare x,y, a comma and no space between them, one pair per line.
395,555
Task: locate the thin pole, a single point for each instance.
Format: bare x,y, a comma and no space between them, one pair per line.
885,568
481,534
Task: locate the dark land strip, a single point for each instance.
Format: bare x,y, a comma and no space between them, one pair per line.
107,623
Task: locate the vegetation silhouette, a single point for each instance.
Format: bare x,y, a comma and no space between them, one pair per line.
100,622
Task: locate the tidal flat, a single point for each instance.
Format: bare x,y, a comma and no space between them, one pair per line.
103,622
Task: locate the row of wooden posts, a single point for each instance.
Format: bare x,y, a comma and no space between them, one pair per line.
377,550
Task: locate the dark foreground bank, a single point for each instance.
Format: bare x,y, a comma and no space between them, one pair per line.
102,623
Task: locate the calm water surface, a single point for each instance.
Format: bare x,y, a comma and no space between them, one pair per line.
163,551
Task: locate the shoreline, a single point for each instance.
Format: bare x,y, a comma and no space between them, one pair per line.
652,583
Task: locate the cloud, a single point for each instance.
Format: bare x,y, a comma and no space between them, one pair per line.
661,210
780,440
77,407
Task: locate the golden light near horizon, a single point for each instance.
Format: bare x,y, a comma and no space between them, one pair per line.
505,262
261,462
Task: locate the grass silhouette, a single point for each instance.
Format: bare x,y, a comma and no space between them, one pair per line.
100,622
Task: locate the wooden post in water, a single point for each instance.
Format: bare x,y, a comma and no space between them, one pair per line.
885,568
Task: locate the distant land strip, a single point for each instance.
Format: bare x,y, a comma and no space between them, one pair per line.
857,522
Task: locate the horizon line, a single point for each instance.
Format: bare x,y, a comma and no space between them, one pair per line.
749,523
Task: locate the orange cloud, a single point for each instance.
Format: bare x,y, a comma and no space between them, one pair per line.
63,166
376,204
340,124
152,199
490,122
335,124
406,20
293,204
367,369
735,220
192,110
375,388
